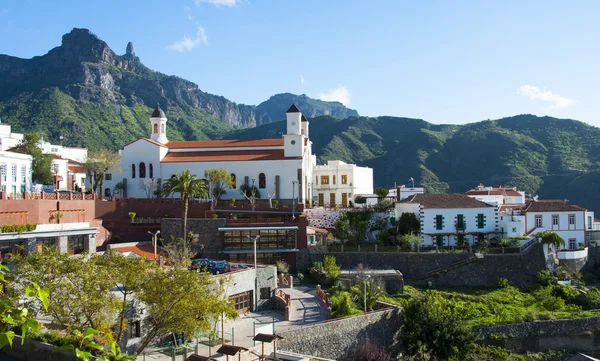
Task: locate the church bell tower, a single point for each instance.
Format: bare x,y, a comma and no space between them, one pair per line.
158,123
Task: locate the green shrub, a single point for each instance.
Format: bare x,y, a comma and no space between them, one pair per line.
566,293
18,228
300,276
552,303
342,305
331,269
502,282
546,278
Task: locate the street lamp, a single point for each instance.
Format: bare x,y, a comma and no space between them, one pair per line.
294,198
255,239
365,289
154,237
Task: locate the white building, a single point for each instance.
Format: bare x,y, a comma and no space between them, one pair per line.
281,166
570,222
338,183
402,192
451,219
69,174
497,194
15,173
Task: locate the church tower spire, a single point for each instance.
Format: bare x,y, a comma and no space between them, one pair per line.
158,123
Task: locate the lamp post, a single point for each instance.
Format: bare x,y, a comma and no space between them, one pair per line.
365,289
294,198
254,240
154,237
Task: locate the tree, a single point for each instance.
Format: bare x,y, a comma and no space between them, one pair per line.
218,181
129,275
373,293
148,185
412,240
41,164
341,227
432,329
98,164
331,269
551,238
180,301
187,185
251,193
408,224
80,288
382,193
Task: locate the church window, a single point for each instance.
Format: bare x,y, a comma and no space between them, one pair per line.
162,128
262,181
133,171
142,170
155,128
151,170
233,181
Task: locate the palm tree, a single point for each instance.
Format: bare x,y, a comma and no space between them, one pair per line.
551,238
187,185
374,293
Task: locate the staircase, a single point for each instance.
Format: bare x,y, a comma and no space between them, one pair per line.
437,272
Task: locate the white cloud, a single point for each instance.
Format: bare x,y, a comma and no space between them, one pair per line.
339,94
229,3
188,10
557,101
301,79
187,43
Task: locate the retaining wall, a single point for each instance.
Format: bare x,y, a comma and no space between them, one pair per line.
37,351
577,334
340,339
205,230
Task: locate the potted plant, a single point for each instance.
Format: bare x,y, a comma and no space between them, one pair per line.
132,216
59,215
232,202
275,203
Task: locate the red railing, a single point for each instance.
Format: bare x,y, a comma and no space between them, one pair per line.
325,298
285,300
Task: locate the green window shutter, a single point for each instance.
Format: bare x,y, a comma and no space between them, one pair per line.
439,240
480,220
460,222
439,222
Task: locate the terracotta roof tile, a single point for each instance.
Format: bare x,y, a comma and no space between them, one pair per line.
445,201
550,206
226,156
143,250
226,143
76,169
56,156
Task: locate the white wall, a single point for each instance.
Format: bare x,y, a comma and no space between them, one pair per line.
511,226
15,184
359,181
428,225
563,229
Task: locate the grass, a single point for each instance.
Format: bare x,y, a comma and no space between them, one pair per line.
484,307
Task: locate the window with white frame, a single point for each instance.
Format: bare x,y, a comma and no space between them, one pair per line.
571,219
14,173
538,221
572,243
555,219
3,172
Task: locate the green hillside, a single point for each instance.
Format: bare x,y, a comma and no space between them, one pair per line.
554,158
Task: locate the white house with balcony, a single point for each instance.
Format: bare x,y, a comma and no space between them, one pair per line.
451,219
15,173
337,183
570,222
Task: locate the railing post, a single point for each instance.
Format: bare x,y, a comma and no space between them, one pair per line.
359,248
375,247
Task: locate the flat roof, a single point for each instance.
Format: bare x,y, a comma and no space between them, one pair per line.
285,228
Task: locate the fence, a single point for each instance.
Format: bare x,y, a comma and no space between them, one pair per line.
325,298
284,301
203,344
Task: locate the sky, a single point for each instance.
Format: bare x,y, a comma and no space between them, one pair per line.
442,61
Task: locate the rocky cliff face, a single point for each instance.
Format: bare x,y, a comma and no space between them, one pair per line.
86,68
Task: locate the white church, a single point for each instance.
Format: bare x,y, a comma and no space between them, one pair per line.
280,166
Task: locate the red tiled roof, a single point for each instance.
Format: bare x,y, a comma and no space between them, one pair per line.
226,143
494,192
76,169
226,156
143,250
550,206
445,201
56,156
504,207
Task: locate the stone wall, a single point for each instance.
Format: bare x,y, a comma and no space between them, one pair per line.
579,334
593,259
37,351
205,230
519,269
339,339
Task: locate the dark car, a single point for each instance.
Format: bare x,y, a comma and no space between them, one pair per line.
219,267
199,264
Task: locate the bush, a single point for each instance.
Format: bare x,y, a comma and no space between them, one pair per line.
300,276
342,305
502,282
283,267
546,278
552,303
331,269
19,228
371,352
566,293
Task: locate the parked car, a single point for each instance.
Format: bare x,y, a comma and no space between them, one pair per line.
219,267
199,264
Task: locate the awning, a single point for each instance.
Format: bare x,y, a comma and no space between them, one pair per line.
59,178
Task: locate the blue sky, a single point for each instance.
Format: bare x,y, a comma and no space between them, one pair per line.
442,61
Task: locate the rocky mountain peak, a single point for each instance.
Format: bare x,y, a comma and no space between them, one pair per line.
129,50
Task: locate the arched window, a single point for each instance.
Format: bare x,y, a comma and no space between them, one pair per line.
142,170
233,181
262,181
162,128
155,128
151,170
133,171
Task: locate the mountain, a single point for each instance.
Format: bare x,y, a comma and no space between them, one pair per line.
554,158
276,106
85,93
